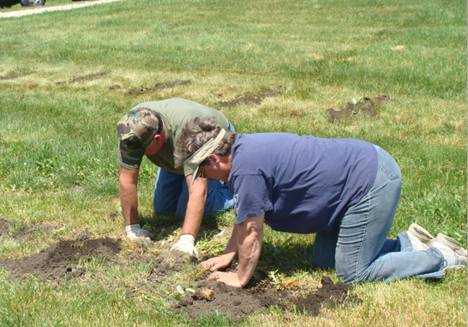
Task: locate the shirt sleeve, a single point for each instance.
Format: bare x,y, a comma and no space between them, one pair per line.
130,158
251,196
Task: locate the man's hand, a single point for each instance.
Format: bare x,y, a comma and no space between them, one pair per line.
137,234
186,244
219,262
228,278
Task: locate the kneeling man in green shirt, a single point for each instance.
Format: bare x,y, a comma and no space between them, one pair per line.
152,129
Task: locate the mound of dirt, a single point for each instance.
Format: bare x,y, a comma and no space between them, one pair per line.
211,297
157,87
60,260
366,105
251,98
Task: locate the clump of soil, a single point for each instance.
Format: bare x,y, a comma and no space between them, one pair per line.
157,87
168,263
83,78
211,297
366,105
251,98
60,260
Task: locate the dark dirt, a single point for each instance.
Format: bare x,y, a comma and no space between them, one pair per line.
251,98
365,105
157,87
212,297
83,78
12,76
60,260
168,263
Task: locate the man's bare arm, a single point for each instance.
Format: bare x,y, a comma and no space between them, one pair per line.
195,205
249,243
128,179
224,260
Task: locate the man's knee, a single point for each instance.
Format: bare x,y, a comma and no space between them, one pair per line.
219,198
349,273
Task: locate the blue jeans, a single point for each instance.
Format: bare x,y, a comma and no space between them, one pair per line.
171,195
359,249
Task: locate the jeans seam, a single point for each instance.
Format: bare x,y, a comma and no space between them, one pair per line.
366,229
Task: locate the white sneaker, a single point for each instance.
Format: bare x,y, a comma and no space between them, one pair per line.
416,243
452,259
419,232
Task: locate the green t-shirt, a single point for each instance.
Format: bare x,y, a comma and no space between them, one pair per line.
175,113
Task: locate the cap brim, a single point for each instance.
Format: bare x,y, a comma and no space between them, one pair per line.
196,173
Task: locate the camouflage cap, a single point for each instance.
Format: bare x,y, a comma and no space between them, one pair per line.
137,128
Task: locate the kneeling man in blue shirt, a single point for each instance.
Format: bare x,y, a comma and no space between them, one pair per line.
345,190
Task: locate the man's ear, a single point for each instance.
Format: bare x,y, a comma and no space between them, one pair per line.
213,158
158,138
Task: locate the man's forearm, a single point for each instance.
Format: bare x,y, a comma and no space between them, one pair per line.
195,206
249,247
129,203
194,214
231,246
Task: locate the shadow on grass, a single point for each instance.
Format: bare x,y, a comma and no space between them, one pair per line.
286,258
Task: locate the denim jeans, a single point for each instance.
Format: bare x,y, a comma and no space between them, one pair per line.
359,249
171,195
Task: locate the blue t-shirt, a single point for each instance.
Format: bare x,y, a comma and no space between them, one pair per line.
302,184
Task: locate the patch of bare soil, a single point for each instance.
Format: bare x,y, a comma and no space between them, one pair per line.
211,297
251,98
168,263
365,105
157,87
12,75
83,78
60,260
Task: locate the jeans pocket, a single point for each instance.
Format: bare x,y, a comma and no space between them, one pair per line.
387,166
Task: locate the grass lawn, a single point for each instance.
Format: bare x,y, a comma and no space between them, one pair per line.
66,78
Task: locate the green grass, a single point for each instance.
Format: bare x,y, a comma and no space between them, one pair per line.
58,149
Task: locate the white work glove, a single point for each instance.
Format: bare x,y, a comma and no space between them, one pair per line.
186,244
137,234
